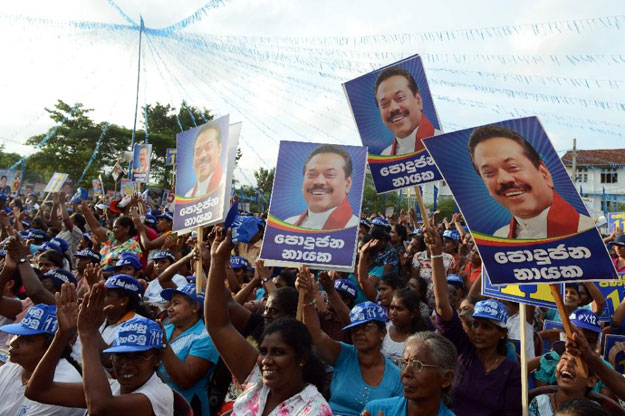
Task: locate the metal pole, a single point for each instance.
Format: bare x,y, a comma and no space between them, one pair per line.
134,127
574,161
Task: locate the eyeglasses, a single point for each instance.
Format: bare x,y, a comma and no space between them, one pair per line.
131,356
365,327
414,365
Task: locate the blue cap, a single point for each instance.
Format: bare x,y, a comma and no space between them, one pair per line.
60,276
365,222
51,245
164,254
127,259
24,234
124,282
347,287
37,234
586,319
455,279
166,215
87,236
40,319
26,223
155,212
149,220
236,262
245,228
365,312
452,234
3,253
187,290
89,254
493,310
190,279
62,243
380,221
137,334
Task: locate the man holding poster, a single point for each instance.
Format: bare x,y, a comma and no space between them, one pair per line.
519,180
325,187
401,108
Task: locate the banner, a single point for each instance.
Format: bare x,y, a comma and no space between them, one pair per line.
141,162
315,206
616,219
117,171
394,111
388,211
524,213
97,187
614,351
127,188
170,158
10,181
168,197
614,293
154,196
56,182
529,294
205,160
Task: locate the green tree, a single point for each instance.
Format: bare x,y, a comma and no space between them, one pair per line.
264,180
7,159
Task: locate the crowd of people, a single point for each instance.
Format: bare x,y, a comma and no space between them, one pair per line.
103,311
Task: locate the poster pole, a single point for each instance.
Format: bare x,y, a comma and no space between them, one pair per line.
566,323
524,386
199,271
424,213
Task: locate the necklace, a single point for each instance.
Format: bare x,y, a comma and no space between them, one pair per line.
491,367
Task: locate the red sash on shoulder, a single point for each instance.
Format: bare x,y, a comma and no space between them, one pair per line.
425,130
338,219
562,219
214,182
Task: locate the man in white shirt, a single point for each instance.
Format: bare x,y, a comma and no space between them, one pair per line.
206,161
518,179
398,98
326,185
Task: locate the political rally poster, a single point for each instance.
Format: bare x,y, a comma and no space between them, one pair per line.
96,184
7,181
530,294
141,162
170,157
616,219
394,112
315,206
614,293
127,188
168,197
614,351
117,171
204,165
524,213
56,182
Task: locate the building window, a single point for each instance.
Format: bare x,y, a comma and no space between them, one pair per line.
581,175
609,175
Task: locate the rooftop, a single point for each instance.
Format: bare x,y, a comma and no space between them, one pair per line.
599,157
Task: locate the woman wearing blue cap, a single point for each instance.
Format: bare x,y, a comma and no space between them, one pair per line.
190,357
490,383
29,344
283,375
136,353
361,372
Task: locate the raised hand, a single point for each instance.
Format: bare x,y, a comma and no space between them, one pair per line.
91,313
262,270
326,281
92,275
221,245
67,307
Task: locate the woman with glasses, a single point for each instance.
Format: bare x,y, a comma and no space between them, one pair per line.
490,383
361,372
427,371
135,354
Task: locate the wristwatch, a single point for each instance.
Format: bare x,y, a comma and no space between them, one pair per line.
22,260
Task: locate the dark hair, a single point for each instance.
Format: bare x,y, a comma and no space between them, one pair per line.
379,233
134,302
126,221
78,219
288,276
208,126
18,203
391,72
581,407
296,335
572,286
401,230
332,148
393,280
484,133
410,300
17,282
53,256
287,299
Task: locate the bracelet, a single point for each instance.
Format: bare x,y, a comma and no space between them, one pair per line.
436,256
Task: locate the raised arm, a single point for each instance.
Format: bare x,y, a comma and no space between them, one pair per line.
94,225
362,274
41,386
328,348
9,307
334,299
441,294
33,286
238,354
54,212
598,300
165,277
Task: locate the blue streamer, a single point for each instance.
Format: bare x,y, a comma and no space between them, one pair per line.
122,13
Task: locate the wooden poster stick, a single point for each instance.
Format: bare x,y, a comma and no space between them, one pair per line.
524,386
555,292
422,208
199,271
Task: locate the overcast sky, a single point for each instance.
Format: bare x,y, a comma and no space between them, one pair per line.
298,95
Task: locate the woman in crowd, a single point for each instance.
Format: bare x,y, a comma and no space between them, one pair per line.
571,385
427,371
361,372
490,383
405,320
282,377
190,357
135,353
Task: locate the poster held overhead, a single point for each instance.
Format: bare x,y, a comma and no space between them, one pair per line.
204,164
524,213
141,162
56,182
394,112
315,206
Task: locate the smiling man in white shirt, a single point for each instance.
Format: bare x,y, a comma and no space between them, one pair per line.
206,161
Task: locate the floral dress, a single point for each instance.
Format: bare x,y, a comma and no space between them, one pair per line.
308,402
111,250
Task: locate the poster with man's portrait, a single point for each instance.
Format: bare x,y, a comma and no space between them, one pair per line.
141,162
526,217
7,181
204,164
316,199
394,112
